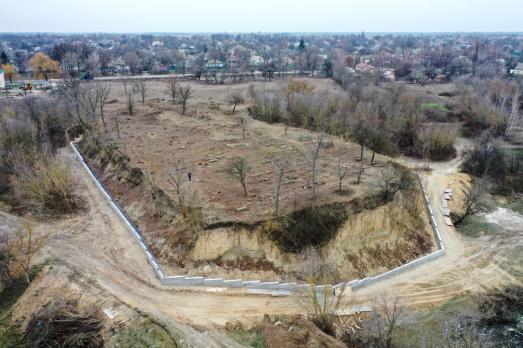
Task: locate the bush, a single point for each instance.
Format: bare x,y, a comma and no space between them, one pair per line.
45,186
442,146
31,129
503,307
486,158
268,107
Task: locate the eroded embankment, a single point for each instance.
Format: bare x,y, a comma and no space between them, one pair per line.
356,238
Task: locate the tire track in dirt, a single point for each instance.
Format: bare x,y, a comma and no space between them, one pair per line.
467,266
98,246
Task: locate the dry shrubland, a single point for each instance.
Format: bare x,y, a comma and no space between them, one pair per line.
31,131
382,119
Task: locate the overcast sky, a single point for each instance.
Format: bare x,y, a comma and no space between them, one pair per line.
261,15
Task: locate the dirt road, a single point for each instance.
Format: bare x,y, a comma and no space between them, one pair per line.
468,265
97,246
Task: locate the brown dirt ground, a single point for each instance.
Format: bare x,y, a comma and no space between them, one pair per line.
205,141
107,264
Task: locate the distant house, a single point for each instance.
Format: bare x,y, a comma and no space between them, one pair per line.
256,60
365,68
389,74
2,79
215,64
518,70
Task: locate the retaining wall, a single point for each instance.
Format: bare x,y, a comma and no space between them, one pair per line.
273,288
359,283
256,287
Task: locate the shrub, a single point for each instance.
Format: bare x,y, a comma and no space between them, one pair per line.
299,86
442,145
268,107
486,158
45,186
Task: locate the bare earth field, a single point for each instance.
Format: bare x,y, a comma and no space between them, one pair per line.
92,254
232,243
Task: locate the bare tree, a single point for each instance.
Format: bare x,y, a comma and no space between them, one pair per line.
177,179
473,200
425,137
389,310
359,172
141,88
184,94
28,244
387,178
91,98
322,303
281,163
104,96
341,173
129,94
238,170
235,99
173,88
359,134
312,160
514,111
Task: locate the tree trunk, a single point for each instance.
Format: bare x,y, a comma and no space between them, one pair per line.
362,147
372,158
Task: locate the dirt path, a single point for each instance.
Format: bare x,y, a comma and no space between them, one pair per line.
96,245
468,265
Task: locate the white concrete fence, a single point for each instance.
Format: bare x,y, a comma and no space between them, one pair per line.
359,283
273,288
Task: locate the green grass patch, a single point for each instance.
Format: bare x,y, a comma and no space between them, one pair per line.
145,333
475,226
413,333
434,106
247,338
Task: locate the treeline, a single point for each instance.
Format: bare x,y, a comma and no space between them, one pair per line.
492,104
382,119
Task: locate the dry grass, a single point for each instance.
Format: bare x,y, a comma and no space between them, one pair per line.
45,186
